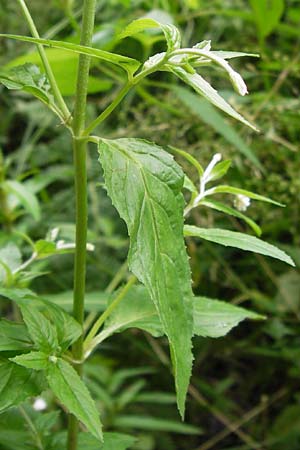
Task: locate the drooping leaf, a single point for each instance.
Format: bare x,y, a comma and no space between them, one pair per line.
209,115
24,197
28,78
238,240
215,318
13,336
72,392
203,88
145,184
17,384
32,360
128,64
232,212
67,329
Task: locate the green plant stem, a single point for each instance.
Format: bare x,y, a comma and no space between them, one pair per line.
90,342
56,92
79,148
109,109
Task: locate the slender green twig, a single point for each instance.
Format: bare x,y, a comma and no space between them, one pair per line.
80,147
90,342
56,92
109,109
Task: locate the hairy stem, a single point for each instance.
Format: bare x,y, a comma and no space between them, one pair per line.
56,92
80,147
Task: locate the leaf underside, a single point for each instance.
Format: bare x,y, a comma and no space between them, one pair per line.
145,184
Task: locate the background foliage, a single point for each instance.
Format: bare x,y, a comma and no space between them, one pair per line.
245,387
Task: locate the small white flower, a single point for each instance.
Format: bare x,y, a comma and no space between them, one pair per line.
39,404
90,247
241,202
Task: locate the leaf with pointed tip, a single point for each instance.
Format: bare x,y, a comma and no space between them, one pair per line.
17,384
215,318
218,206
203,88
212,117
72,392
66,327
32,360
238,240
223,189
128,64
145,183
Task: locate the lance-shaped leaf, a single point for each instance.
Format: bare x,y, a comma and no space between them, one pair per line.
67,330
128,64
238,240
212,318
215,318
203,88
145,183
72,392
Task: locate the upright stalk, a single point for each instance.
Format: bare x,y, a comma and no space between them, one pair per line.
79,148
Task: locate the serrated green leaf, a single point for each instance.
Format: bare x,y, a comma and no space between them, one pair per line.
17,384
145,184
13,336
215,318
30,79
232,212
67,329
223,189
24,196
42,332
238,240
203,109
32,360
203,88
128,64
72,392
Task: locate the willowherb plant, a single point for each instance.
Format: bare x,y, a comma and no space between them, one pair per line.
145,185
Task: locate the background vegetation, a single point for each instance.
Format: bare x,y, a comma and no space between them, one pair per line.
245,389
